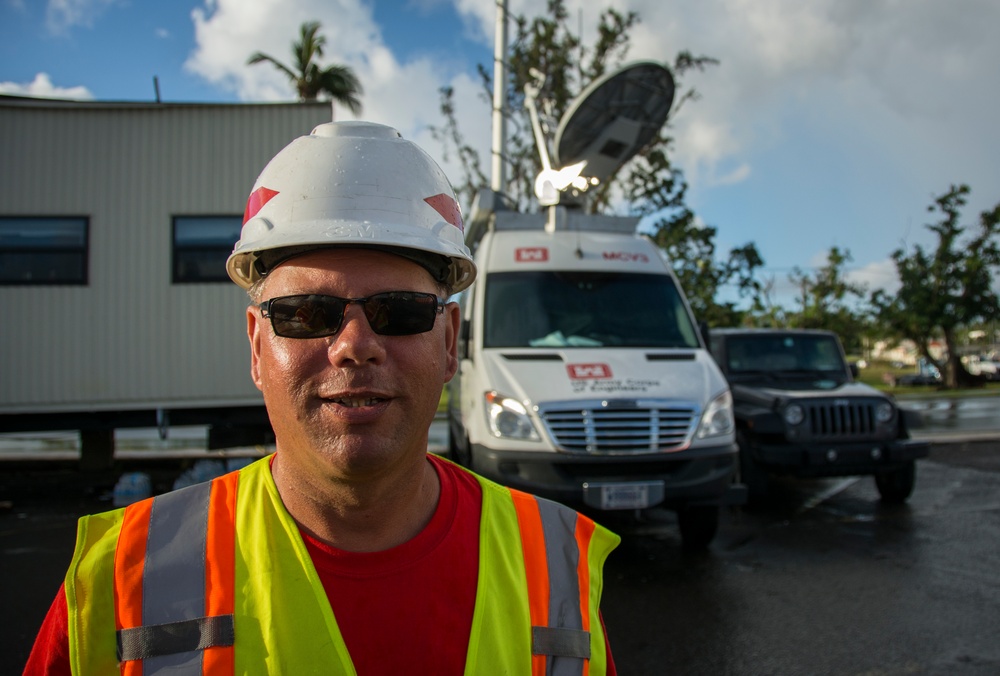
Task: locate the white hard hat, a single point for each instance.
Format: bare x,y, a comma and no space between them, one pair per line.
353,184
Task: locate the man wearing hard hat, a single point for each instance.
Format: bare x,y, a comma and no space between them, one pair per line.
350,550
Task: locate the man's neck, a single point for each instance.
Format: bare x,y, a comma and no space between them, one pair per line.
361,516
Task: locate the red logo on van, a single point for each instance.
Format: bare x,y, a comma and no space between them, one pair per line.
534,254
588,371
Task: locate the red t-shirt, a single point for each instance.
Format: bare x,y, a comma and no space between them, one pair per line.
436,572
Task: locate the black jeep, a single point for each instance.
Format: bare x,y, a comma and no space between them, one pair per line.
799,412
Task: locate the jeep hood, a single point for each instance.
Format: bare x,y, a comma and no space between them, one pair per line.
765,394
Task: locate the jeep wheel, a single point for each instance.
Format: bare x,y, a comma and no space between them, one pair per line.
698,524
896,486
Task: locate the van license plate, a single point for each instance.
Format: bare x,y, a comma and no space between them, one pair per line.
624,496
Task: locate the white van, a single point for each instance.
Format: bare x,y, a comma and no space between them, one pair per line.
583,375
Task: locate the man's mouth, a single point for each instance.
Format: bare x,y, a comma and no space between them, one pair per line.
358,402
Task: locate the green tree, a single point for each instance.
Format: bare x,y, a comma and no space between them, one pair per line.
690,248
311,80
946,288
649,185
827,300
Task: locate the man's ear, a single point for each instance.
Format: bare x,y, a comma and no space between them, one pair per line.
254,326
453,317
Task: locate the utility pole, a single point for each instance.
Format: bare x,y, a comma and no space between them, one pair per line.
498,179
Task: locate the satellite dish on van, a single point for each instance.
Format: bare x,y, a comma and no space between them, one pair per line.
614,118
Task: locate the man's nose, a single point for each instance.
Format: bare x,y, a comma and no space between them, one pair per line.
356,341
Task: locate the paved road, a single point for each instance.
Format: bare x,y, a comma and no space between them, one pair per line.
822,581
825,580
968,414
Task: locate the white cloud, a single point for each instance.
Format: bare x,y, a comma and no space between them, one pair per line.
861,69
229,31
61,15
737,175
402,94
905,90
42,87
876,275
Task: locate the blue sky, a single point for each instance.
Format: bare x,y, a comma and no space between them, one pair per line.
827,122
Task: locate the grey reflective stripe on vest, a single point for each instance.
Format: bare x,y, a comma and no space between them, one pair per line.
174,631
564,639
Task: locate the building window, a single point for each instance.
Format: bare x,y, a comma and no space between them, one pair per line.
43,250
201,246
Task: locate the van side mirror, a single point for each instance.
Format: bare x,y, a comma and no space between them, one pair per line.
703,328
463,339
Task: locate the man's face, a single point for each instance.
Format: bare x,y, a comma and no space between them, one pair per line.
355,404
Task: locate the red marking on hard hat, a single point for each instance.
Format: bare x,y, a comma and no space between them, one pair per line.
258,198
446,205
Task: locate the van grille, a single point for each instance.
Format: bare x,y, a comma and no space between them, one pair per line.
619,428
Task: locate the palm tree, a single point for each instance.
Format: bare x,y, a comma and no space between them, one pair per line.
309,79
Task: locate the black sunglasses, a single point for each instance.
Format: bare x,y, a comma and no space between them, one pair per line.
393,313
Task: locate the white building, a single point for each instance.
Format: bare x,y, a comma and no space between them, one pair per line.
115,223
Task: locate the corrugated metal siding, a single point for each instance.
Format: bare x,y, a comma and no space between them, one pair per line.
130,338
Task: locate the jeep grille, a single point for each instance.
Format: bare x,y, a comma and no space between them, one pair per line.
840,420
619,429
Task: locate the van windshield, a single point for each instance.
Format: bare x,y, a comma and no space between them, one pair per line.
585,309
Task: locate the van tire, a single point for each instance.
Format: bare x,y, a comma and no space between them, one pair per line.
459,455
698,525
752,475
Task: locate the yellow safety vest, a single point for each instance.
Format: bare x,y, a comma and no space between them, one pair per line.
171,584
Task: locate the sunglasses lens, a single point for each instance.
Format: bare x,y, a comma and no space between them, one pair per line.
401,313
306,316
396,313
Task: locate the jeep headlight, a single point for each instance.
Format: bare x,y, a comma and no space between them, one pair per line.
717,420
794,415
884,412
508,418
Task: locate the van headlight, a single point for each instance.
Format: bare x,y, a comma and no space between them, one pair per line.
508,418
717,420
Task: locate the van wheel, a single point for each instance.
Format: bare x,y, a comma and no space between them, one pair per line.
463,456
752,475
896,486
698,524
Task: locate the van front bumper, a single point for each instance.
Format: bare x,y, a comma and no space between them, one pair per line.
702,475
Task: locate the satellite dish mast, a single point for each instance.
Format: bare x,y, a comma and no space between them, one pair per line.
610,122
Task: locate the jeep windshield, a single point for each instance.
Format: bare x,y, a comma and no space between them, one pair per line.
784,357
585,309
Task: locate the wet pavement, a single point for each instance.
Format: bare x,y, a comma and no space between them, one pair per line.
825,580
969,414
822,580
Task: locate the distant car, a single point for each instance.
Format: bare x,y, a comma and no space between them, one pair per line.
799,412
982,365
927,374
918,379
